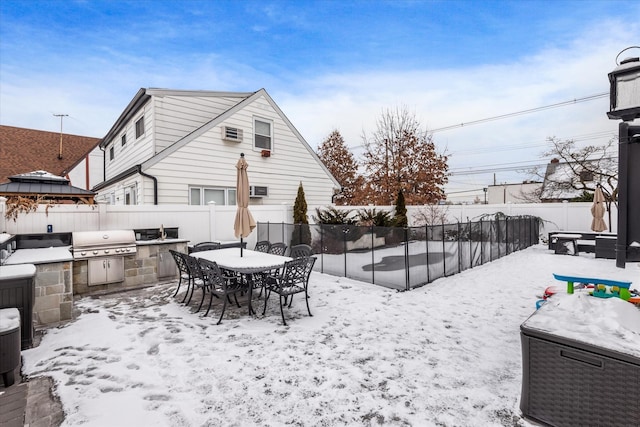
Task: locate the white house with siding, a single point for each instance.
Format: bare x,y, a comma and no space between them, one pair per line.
181,147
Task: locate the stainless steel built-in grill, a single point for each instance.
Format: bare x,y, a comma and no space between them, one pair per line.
94,244
104,252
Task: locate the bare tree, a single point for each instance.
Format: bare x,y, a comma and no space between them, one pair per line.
582,169
431,215
400,155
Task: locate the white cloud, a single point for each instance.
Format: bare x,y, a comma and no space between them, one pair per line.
94,86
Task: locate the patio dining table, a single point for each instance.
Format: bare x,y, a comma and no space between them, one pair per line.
247,265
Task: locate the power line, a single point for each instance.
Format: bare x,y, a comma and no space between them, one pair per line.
507,115
518,113
513,166
525,145
465,191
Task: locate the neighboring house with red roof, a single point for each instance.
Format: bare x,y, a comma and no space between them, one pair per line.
77,158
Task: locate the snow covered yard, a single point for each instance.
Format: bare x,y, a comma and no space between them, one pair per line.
447,354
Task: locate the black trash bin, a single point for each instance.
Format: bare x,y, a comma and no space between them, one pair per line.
9,344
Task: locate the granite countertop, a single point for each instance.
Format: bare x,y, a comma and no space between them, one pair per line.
40,255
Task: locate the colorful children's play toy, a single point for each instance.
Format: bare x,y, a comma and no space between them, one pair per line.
602,288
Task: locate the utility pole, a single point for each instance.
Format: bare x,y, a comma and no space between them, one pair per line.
61,117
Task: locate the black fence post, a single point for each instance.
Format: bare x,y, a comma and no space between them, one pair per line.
520,236
459,250
491,228
506,232
406,259
481,243
498,236
344,248
444,258
373,256
322,247
470,245
426,230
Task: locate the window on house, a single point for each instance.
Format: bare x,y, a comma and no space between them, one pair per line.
111,153
123,140
204,195
194,196
140,127
130,195
586,176
262,134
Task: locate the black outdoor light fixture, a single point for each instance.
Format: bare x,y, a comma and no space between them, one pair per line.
625,106
625,89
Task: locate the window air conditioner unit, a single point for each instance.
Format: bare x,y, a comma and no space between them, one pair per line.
255,191
231,134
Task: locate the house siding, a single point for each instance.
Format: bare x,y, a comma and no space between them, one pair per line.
177,116
182,148
78,175
208,161
136,151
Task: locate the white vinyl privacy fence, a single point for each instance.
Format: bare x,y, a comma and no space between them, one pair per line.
212,222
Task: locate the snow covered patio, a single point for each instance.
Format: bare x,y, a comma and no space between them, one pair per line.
446,354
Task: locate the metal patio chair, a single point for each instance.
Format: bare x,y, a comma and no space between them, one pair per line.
205,246
262,246
219,285
309,268
197,279
274,249
278,248
183,271
300,251
293,279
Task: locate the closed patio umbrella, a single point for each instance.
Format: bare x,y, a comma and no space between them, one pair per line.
244,223
597,211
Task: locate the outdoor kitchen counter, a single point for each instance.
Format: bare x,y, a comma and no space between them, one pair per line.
160,242
4,237
53,298
40,256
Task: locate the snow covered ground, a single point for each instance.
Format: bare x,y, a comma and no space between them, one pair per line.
446,354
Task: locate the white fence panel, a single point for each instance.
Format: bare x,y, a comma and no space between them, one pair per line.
202,223
195,223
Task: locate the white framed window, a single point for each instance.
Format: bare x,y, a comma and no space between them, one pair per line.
139,127
131,195
204,195
112,154
123,140
262,134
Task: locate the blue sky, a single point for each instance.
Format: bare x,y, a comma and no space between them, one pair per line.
330,64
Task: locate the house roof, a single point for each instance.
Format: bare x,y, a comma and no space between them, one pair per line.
560,178
24,150
42,183
144,94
